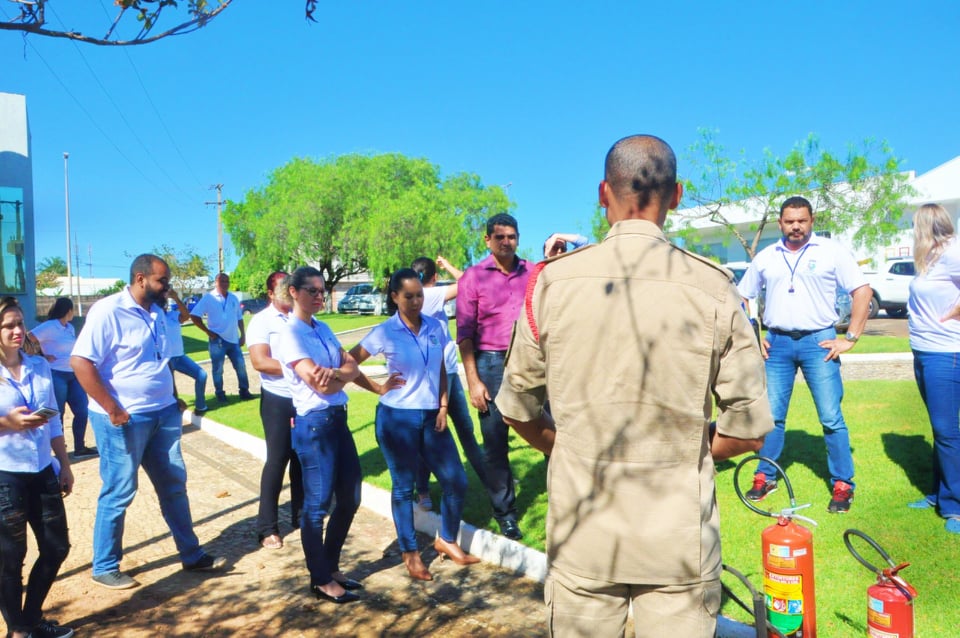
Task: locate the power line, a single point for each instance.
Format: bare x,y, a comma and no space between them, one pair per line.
156,111
120,111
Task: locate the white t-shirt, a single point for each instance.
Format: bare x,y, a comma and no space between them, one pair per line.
130,348
417,357
57,341
174,333
814,274
317,343
222,313
932,295
265,329
433,301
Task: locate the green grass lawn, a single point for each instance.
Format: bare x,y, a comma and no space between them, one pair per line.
195,342
892,445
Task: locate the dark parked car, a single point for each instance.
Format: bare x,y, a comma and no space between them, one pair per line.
363,299
253,306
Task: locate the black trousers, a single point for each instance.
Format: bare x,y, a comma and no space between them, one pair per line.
496,439
33,499
276,413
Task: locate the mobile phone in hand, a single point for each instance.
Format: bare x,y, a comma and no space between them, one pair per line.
46,413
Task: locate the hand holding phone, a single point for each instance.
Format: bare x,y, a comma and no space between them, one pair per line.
46,413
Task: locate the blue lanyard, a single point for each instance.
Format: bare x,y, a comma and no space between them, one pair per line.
795,264
154,333
423,355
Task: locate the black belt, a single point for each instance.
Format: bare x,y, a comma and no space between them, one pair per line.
794,334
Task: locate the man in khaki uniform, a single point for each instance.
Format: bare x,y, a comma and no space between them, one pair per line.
632,384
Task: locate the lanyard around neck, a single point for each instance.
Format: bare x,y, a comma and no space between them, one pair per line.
424,354
154,331
793,269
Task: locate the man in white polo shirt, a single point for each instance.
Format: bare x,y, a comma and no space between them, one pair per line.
224,327
120,359
802,274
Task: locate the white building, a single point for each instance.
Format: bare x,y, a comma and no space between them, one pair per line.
940,185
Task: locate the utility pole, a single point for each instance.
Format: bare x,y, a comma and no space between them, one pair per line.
76,251
66,204
219,204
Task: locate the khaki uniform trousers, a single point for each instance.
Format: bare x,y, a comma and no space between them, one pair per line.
578,606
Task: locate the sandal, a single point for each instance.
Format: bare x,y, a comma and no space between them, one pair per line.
271,542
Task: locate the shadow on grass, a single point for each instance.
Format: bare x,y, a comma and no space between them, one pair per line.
806,449
913,453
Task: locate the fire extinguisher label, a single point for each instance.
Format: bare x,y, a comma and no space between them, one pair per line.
880,619
873,632
784,600
781,551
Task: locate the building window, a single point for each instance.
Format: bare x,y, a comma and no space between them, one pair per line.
12,274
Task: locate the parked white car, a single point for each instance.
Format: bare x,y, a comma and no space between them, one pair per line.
891,287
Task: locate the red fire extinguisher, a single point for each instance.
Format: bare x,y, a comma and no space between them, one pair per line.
788,569
890,599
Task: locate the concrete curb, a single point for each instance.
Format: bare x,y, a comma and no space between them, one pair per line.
492,548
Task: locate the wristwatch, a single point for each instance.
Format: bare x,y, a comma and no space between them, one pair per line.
852,336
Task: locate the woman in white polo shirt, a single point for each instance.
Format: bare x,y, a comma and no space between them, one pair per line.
29,484
412,418
55,338
316,368
934,306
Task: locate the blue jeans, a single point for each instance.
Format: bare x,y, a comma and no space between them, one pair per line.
33,499
330,466
826,386
185,365
459,412
404,436
496,440
219,350
938,379
150,439
68,391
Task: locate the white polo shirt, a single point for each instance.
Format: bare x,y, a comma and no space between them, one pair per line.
29,450
222,313
317,343
265,329
174,334
433,300
932,295
56,340
130,348
814,273
417,357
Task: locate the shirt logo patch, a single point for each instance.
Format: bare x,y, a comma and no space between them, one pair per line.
434,341
812,265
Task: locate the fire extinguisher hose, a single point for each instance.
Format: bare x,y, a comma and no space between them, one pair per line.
788,512
890,573
758,611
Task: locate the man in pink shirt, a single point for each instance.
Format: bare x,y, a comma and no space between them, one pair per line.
489,300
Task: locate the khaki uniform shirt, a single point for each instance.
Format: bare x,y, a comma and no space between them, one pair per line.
638,338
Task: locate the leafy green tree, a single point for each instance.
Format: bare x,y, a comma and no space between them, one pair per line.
49,270
865,191
117,286
356,213
186,265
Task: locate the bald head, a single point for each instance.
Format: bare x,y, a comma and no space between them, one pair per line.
641,174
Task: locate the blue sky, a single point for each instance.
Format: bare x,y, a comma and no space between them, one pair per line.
526,94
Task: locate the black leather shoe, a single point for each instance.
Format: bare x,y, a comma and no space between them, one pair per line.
511,530
346,597
349,584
